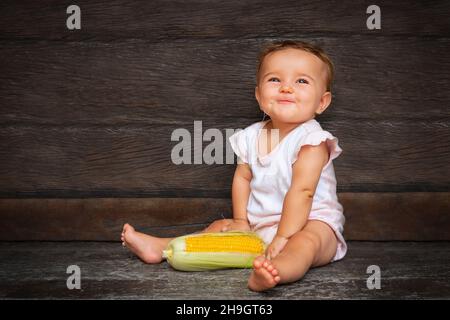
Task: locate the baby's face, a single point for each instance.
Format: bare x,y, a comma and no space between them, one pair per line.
292,86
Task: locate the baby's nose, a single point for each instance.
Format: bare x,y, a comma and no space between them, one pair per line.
286,89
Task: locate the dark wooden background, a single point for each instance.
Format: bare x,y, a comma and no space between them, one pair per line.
86,116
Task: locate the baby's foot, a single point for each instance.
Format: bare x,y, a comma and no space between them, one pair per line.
264,275
146,247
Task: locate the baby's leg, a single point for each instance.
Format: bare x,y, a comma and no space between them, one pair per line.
148,248
315,245
217,225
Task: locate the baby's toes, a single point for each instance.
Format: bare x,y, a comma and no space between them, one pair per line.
276,279
266,263
127,228
258,262
272,270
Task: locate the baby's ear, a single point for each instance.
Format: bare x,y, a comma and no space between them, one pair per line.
325,101
257,93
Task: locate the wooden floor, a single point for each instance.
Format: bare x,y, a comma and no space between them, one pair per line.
37,270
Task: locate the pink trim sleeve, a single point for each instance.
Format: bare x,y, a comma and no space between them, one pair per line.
315,138
238,142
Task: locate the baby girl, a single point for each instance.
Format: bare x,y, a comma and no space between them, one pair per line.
284,186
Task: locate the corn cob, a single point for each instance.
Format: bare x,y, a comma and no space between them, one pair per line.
209,251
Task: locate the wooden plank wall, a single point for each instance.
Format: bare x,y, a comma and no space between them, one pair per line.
86,116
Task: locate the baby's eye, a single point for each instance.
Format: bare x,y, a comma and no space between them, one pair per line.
303,81
272,79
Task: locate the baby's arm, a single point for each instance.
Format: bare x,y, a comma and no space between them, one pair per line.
240,193
298,200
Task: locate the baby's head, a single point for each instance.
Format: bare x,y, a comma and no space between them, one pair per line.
293,81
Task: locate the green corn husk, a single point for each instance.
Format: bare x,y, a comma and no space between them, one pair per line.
211,251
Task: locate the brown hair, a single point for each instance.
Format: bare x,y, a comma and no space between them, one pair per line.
301,45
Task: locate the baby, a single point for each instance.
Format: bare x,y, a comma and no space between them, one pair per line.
284,186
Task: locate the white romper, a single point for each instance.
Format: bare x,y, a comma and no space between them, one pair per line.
272,175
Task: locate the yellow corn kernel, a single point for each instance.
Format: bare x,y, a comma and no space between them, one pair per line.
209,251
220,243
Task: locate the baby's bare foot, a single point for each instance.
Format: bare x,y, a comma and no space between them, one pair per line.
147,248
264,275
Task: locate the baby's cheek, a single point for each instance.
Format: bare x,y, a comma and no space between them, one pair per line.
270,89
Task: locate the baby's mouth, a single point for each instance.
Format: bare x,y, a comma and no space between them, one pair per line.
285,101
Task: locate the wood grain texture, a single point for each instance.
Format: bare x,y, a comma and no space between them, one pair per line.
132,81
49,161
86,116
210,19
409,270
369,216
103,219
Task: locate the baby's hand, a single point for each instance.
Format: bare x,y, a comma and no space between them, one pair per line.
235,224
276,246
